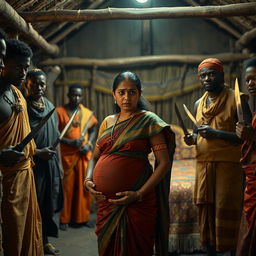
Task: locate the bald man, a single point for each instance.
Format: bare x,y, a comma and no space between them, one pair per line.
218,190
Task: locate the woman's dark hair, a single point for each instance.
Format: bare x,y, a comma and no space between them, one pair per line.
142,104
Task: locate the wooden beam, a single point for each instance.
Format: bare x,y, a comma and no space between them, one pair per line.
246,39
243,9
219,22
26,29
75,26
142,60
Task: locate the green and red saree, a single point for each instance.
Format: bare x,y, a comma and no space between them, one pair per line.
123,166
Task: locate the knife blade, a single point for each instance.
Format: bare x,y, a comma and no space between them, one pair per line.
55,144
19,147
239,108
190,116
86,125
180,119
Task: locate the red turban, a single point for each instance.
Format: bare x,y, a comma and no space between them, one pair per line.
212,63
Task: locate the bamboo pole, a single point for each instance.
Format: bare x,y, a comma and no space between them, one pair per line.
246,39
243,9
142,60
18,23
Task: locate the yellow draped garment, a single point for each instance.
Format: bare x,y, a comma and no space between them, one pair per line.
219,180
20,213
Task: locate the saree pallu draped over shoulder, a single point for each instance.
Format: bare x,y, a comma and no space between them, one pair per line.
123,166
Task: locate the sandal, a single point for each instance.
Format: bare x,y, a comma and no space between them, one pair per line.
50,249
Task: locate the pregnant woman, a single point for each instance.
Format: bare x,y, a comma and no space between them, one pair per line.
132,201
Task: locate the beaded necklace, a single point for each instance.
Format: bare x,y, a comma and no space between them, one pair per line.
39,105
118,133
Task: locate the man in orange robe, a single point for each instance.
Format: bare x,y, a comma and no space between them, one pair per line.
219,181
76,152
247,132
20,212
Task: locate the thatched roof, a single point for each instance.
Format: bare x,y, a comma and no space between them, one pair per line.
46,23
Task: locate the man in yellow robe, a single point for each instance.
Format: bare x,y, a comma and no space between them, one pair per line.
219,180
20,212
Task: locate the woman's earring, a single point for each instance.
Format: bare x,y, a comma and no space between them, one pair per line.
115,101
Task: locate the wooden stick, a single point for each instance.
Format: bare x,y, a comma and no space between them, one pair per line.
143,60
243,9
18,23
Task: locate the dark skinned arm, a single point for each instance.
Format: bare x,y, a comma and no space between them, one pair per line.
209,133
9,157
74,143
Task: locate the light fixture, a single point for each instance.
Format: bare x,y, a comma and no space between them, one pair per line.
142,1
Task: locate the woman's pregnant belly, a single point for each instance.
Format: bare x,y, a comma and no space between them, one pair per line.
116,173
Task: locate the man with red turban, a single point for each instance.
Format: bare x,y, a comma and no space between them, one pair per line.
218,190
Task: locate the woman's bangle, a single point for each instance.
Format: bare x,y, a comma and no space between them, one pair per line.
139,196
87,179
85,182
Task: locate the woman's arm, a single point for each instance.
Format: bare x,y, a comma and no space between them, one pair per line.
161,154
88,182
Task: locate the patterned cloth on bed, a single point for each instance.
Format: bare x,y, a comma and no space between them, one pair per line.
184,232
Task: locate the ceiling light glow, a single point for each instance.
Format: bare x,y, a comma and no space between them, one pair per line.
142,1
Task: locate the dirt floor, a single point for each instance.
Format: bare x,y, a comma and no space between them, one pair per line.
82,241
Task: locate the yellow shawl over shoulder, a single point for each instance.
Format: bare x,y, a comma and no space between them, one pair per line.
221,115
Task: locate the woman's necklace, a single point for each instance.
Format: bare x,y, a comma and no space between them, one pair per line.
118,133
17,107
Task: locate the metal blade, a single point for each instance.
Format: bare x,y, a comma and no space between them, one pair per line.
190,116
180,119
19,147
86,126
65,129
238,103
